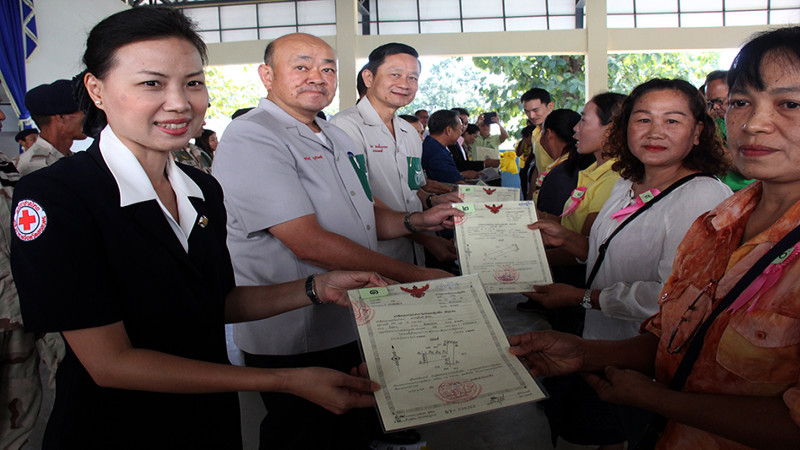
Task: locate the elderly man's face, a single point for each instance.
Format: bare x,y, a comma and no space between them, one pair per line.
394,83
302,76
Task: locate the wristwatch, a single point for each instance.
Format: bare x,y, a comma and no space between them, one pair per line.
311,292
428,200
586,302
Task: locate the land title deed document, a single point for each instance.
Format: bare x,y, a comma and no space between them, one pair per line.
493,241
438,351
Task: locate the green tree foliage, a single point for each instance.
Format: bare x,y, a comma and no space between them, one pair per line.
564,77
627,70
231,88
451,82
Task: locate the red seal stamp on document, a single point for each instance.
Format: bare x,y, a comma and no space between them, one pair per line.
458,391
30,220
362,312
506,274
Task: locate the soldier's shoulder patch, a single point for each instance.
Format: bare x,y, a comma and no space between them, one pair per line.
30,220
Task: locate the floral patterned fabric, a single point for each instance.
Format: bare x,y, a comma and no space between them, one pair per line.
752,351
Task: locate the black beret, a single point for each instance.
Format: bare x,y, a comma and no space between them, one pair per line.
25,133
51,99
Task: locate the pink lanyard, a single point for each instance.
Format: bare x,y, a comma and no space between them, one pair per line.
643,198
575,199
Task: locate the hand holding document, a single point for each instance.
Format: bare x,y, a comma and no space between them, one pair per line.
438,351
493,241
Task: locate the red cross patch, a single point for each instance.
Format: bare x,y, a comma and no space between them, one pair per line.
29,220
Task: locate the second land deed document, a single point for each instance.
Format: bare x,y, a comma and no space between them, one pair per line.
438,351
493,241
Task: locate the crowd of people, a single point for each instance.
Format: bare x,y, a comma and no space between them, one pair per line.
674,310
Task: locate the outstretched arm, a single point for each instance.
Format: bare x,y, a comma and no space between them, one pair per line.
331,251
555,235
550,353
110,359
245,303
759,422
390,223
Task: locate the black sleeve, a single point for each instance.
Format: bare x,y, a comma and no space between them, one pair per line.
461,163
58,258
556,189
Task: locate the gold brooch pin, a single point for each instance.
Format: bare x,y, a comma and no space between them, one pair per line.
202,221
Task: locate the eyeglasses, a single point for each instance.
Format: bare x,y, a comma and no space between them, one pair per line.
687,316
720,102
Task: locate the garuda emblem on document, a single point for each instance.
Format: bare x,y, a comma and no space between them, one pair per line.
416,292
494,208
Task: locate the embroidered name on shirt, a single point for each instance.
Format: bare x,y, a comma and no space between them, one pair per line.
30,220
309,158
377,148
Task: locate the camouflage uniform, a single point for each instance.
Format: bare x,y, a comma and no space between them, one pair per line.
192,155
20,387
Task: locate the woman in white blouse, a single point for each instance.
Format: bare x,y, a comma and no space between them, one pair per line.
662,136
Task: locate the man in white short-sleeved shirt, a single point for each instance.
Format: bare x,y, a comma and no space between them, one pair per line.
393,148
299,203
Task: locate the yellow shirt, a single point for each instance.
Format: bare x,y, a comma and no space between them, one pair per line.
543,160
598,182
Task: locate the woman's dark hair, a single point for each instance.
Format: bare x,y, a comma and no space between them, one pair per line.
608,104
127,27
202,141
746,67
561,122
707,157
472,129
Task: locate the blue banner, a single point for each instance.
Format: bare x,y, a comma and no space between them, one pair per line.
31,41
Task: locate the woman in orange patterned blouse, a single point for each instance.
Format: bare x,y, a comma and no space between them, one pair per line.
744,388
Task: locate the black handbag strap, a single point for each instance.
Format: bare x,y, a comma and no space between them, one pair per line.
601,252
658,422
